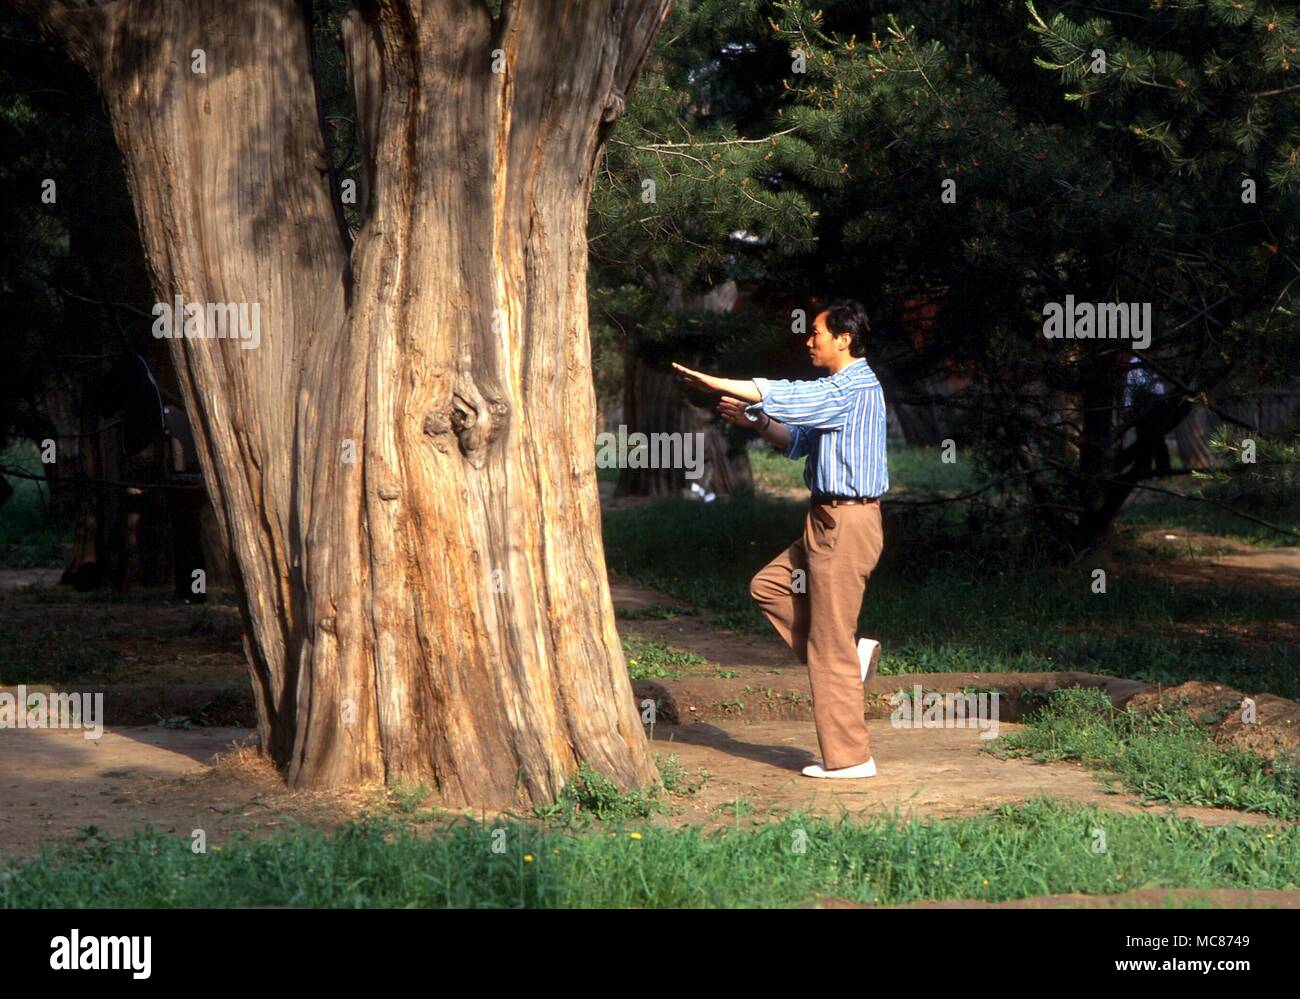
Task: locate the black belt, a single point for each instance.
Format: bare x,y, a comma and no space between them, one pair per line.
842,500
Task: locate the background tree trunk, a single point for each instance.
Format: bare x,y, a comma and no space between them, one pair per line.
435,609
653,404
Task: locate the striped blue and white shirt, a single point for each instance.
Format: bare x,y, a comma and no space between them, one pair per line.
839,422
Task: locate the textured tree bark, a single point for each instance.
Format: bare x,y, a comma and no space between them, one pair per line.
435,610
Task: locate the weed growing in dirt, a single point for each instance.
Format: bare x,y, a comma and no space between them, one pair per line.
647,659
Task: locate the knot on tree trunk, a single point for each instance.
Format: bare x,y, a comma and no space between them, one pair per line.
476,420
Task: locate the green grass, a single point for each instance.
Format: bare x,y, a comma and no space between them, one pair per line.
32,532
606,474
920,469
58,656
675,778
772,470
652,612
1037,848
1164,755
923,470
204,619
1147,508
1175,544
648,659
593,795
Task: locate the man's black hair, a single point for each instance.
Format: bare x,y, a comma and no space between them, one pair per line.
848,316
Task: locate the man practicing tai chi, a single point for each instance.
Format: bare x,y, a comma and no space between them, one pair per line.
839,422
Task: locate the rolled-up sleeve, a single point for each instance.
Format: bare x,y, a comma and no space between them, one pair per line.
821,404
799,441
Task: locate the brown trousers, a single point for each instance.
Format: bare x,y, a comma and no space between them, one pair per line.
816,612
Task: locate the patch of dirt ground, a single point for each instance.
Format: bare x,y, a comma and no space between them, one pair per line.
921,773
57,782
53,632
1235,564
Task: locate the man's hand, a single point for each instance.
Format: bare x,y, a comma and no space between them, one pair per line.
733,411
697,380
743,389
776,434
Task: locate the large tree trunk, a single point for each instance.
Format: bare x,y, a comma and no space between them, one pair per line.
437,610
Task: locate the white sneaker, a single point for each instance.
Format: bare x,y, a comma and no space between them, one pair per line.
868,656
867,769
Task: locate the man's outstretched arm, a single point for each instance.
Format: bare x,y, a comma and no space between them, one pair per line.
743,389
793,440
820,403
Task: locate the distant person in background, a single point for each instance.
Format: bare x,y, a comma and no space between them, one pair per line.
1141,387
812,591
